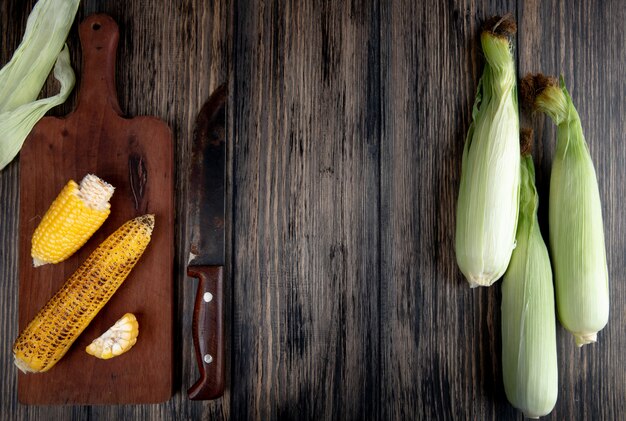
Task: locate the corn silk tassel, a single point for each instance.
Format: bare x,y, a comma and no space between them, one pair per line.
529,356
488,196
575,215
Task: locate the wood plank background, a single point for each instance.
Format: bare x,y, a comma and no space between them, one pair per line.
346,128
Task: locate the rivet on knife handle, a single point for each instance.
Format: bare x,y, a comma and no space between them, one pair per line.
208,332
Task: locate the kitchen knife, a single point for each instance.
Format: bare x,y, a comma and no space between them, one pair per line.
206,201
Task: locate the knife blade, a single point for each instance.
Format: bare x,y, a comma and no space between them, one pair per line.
207,256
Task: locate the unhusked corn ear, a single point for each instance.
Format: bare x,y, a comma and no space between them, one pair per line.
118,339
76,213
487,205
581,276
529,354
51,333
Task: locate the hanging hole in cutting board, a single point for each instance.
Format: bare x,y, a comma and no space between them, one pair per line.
96,26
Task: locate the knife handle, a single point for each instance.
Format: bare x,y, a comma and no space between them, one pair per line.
208,332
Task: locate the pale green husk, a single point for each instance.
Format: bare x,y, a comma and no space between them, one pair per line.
488,195
22,79
529,362
576,228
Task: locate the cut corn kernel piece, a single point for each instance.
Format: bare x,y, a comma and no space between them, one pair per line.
71,220
57,325
118,339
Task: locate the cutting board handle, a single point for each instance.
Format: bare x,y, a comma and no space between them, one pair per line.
99,35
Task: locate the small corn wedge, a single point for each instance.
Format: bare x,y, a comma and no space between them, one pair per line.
59,323
74,216
487,204
529,354
117,340
577,246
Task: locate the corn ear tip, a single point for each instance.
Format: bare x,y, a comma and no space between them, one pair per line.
148,220
21,365
585,339
531,86
500,26
96,192
478,281
526,141
38,262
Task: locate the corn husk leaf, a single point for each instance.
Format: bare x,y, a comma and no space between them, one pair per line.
488,196
529,357
16,125
22,79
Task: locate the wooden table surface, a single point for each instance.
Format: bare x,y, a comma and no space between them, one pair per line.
346,128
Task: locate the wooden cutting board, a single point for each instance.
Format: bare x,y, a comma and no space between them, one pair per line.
135,155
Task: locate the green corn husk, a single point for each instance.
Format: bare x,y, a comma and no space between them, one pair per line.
529,362
576,228
488,195
23,77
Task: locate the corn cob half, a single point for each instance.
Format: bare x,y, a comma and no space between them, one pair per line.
76,213
57,325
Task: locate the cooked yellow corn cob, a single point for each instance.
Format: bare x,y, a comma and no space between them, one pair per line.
118,339
71,220
57,325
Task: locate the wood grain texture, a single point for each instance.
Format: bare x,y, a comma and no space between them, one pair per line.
306,156
346,127
440,340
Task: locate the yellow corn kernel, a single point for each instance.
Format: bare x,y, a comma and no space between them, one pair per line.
118,339
73,217
57,325
71,220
